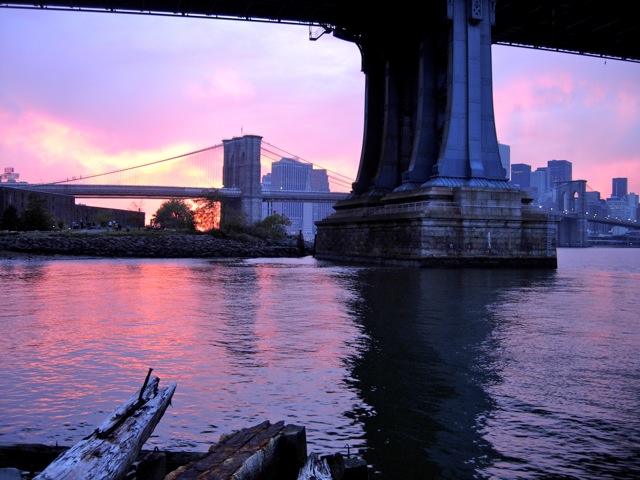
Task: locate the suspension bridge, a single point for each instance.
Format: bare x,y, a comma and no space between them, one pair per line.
431,189
191,175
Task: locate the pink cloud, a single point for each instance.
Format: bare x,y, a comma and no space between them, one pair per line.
93,91
561,106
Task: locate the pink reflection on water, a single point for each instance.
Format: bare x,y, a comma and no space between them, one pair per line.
241,345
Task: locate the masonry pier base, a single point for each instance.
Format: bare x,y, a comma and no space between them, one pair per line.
440,226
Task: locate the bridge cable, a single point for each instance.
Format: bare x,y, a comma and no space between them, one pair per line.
305,161
137,166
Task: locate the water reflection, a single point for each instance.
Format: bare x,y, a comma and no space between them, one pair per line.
427,366
429,373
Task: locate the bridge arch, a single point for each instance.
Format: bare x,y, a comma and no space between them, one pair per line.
571,206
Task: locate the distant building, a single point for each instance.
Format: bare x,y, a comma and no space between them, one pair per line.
559,171
618,188
505,158
618,208
9,175
64,211
521,175
596,207
632,201
293,175
540,180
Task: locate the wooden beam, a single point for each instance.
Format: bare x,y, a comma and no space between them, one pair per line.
112,448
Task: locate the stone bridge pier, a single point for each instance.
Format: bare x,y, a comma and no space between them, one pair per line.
431,189
571,204
241,169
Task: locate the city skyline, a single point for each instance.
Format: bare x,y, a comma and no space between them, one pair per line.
89,92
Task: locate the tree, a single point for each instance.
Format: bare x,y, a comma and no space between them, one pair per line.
10,219
36,216
233,221
176,214
207,212
136,205
274,226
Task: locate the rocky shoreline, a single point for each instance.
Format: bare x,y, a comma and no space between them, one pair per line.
160,245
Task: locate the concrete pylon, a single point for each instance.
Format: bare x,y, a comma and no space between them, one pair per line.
431,189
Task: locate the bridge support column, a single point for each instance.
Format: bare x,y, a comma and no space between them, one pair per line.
241,169
570,205
572,232
431,189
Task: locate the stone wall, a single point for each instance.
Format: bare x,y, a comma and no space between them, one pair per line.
466,228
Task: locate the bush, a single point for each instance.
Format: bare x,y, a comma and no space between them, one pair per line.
272,228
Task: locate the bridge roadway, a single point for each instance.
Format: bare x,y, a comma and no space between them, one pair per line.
153,191
594,219
429,126
587,27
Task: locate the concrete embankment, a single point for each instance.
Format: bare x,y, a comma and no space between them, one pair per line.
142,246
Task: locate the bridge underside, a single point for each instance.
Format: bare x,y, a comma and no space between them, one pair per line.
431,189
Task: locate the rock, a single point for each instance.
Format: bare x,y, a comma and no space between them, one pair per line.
142,246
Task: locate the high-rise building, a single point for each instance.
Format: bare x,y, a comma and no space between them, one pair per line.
596,207
505,158
632,201
619,187
559,171
540,180
521,174
319,180
289,174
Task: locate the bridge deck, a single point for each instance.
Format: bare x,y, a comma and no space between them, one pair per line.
587,27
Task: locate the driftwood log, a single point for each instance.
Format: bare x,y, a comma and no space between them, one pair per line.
316,468
333,467
112,448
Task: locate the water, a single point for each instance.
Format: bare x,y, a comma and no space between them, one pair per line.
443,374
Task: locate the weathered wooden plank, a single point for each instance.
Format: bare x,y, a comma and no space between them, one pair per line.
264,451
148,390
111,449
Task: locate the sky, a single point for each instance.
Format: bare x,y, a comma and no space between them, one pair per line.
84,93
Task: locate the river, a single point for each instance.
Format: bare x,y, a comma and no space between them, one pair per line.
425,373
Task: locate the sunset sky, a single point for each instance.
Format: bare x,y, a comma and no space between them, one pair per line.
84,93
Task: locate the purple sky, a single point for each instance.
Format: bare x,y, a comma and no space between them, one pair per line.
84,93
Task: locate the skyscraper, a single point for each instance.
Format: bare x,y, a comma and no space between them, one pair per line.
505,158
559,171
289,174
540,180
619,187
521,174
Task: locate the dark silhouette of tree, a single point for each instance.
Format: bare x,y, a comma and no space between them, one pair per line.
36,216
233,221
274,225
176,214
10,219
